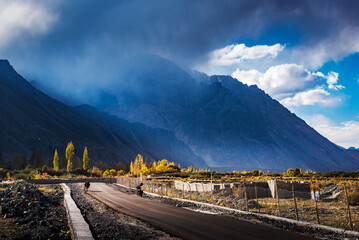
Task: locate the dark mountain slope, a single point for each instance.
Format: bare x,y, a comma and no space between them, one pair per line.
234,125
31,121
225,122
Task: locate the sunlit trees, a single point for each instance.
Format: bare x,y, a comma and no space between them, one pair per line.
70,151
56,160
163,166
85,159
113,172
131,168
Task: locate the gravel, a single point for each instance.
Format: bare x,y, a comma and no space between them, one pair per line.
106,223
28,213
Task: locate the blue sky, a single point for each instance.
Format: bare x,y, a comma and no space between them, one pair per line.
303,53
320,87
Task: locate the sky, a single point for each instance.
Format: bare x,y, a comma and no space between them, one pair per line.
305,54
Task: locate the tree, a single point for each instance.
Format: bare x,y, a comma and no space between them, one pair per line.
37,160
69,155
85,159
63,162
56,160
290,172
131,168
16,161
1,160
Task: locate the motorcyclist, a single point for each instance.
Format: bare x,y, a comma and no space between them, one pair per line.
139,190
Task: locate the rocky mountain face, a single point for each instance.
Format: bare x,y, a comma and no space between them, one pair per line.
229,124
32,121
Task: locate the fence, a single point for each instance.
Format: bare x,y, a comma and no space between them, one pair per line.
318,202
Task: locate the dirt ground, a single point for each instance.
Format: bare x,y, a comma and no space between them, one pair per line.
30,213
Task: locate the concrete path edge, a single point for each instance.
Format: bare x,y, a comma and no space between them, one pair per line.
79,228
298,223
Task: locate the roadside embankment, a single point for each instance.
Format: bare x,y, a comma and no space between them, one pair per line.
79,228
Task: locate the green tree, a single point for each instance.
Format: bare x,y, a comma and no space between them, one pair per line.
85,159
37,160
63,162
69,155
77,163
56,160
16,161
1,160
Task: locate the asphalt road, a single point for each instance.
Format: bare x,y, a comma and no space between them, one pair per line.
184,223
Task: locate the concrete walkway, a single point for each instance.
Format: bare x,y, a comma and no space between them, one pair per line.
79,228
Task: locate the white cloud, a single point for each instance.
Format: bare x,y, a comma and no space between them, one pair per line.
236,53
18,17
293,85
335,47
310,97
277,80
331,79
345,134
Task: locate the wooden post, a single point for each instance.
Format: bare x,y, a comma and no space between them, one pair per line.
295,204
246,197
277,195
255,191
238,196
183,190
349,213
211,189
316,204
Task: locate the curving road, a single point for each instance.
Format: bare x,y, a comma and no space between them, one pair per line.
184,223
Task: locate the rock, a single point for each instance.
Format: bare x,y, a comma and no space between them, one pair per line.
330,193
252,204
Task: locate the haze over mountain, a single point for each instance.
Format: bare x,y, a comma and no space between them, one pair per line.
227,123
32,121
164,111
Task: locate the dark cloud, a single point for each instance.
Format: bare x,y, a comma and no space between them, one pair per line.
90,38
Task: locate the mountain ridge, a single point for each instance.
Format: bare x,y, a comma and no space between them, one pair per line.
215,122
32,121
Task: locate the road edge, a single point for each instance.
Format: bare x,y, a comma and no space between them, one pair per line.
79,228
261,215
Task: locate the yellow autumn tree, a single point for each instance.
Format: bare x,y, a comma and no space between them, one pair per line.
56,160
131,168
69,155
85,159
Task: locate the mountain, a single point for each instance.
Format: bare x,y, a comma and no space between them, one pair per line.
32,121
228,124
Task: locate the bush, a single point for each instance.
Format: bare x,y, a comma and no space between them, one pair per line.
20,176
80,171
353,198
106,173
44,169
